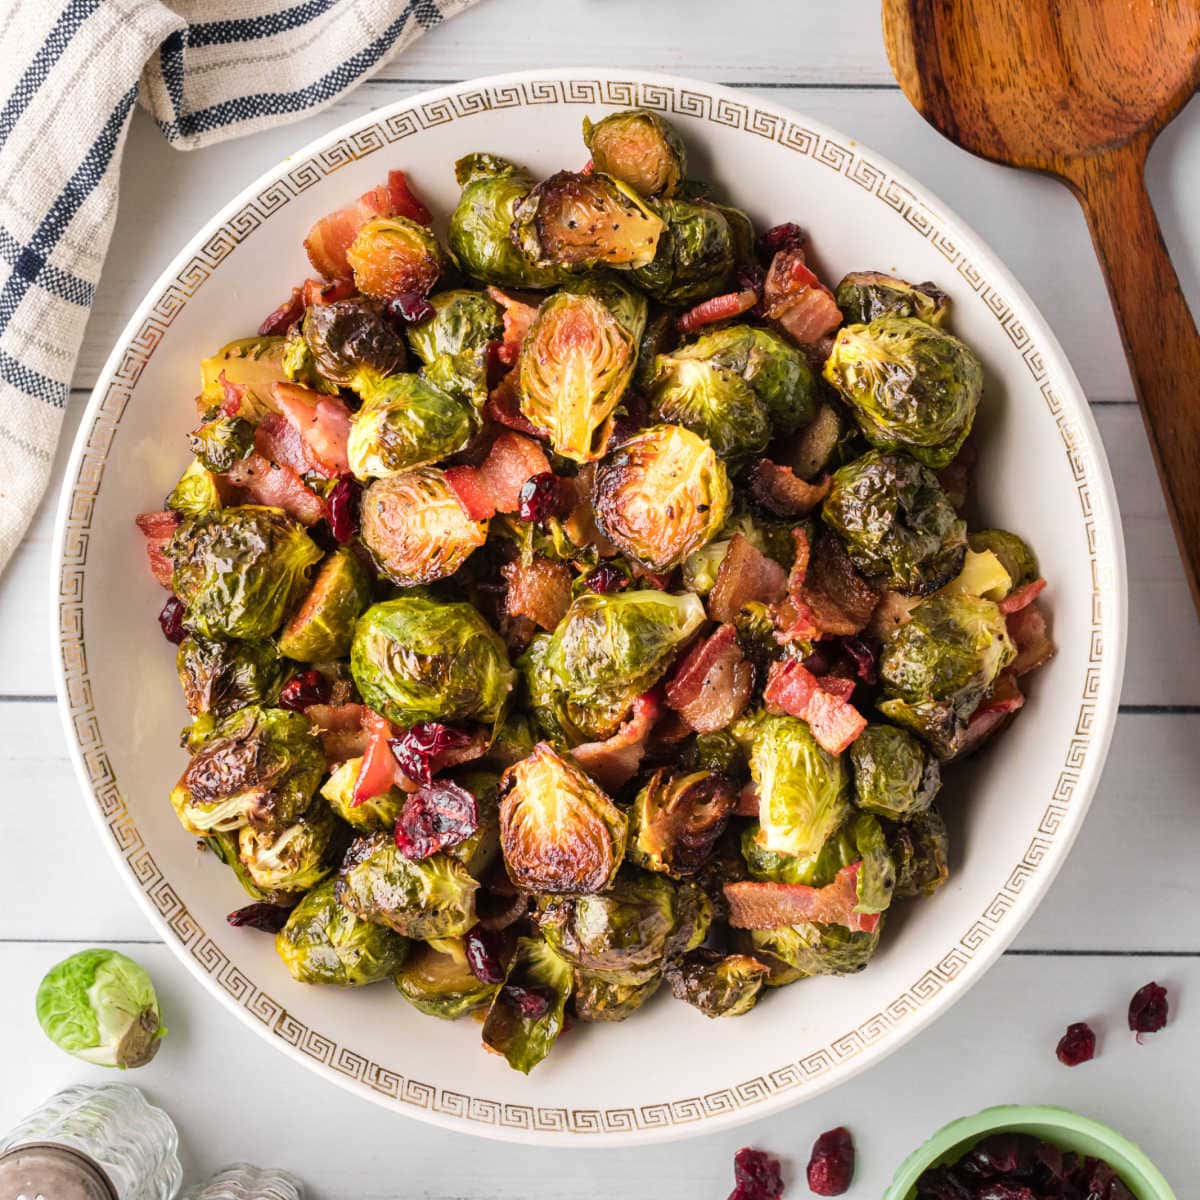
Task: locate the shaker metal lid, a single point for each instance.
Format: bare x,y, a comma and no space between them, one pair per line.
48,1171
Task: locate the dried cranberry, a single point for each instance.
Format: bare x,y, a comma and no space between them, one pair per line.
757,1175
831,1166
418,747
862,656
532,1003
541,497
170,620
1001,1154
270,918
436,817
942,1183
1077,1045
1000,1190
750,278
409,307
341,507
1148,1009
607,578
482,947
786,236
308,687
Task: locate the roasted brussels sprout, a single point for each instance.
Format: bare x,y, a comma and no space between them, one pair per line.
585,221
719,985
695,256
439,983
921,851
910,386
218,678
640,149
1015,556
349,337
323,942
526,1016
462,320
896,522
982,574
558,830
394,256
292,859
406,421
415,659
220,441
431,897
260,767
661,495
197,492
719,753
864,295
893,776
322,627
600,997
254,364
513,741
799,951
677,819
367,816
416,528
240,570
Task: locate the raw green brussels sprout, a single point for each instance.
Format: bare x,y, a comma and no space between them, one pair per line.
406,421
1013,552
240,570
640,149
379,813
196,493
600,997
661,495
910,385
220,442
800,951
462,320
323,625
559,831
677,819
101,1006
719,985
479,226
324,942
349,337
584,221
921,851
218,678
254,364
439,983
416,528
292,859
394,256
864,295
893,776
424,898
896,522
260,767
524,1033
415,659
695,254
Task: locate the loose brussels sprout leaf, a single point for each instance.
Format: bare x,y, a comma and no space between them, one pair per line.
719,985
695,254
982,574
864,295
416,528
558,830
218,678
612,997
219,442
379,813
712,401
323,625
1015,556
254,364
415,659
640,149
660,336
893,776
802,788
572,221
260,767
921,851
806,950
348,337
323,942
910,386
677,819
224,847
896,522
661,495
394,256
462,320
513,741
196,493
292,859
300,366
240,570
522,1031
441,985
406,421
432,897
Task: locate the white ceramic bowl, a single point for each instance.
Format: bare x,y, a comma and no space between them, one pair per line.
669,1071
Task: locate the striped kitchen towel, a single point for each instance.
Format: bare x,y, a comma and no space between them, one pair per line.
71,72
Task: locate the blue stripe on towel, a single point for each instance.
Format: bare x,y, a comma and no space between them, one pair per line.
41,387
248,29
53,279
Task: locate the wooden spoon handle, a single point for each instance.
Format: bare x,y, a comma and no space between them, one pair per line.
1158,331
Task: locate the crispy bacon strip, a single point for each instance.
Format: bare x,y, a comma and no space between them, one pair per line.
614,761
745,574
267,482
823,702
518,316
504,407
232,395
323,422
158,528
377,771
718,308
769,905
1027,628
781,490
512,460
1022,597
748,800
340,728
796,300
538,589
832,596
472,494
834,721
1005,699
712,686
790,687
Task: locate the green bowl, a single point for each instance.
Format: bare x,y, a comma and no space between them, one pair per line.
1058,1125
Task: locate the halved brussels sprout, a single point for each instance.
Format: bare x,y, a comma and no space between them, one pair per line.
406,421
800,951
254,364
896,522
573,221
921,850
348,337
322,627
379,813
300,366
394,256
219,442
196,493
661,495
864,295
416,528
415,659
893,776
292,859
323,942
440,984
639,148
462,320
526,1016
719,985
431,897
1014,553
982,574
218,678
557,718
260,767
695,256
558,830
240,570
600,997
910,386
677,819
224,847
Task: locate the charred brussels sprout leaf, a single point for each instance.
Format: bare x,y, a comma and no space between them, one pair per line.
218,678
864,295
196,493
677,819
323,625
220,442
600,997
893,776
799,951
910,386
254,364
661,495
640,149
526,1016
921,851
367,816
393,256
323,942
719,985
439,983
348,337
415,659
1015,556
291,859
695,255
240,570
462,320
896,522
558,830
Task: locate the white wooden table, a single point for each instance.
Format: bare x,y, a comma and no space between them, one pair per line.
1121,913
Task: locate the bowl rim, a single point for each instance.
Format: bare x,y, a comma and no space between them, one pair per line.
970,955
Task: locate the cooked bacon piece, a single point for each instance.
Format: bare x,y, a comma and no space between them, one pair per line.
504,407
277,440
615,761
267,482
769,905
538,589
718,308
378,769
796,300
322,421
745,574
781,490
340,728
232,395
790,687
748,800
712,686
1027,628
1022,597
839,599
834,721
518,316
511,461
893,610
158,528
1005,699
466,484
160,524
281,319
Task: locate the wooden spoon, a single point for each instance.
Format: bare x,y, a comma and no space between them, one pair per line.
1079,89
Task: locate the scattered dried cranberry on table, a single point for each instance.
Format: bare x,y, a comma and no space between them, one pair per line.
831,1164
757,1176
1077,1045
1148,1009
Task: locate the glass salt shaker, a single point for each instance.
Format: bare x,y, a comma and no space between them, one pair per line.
241,1181
92,1143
